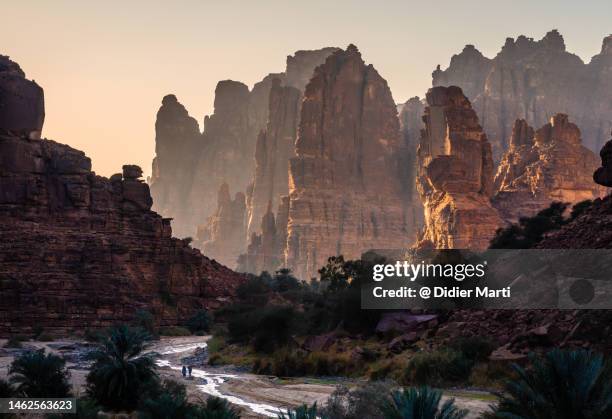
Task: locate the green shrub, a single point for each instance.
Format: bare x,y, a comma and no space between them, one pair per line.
475,348
560,385
14,342
530,230
174,331
438,368
199,322
579,208
145,320
365,401
86,408
421,403
36,374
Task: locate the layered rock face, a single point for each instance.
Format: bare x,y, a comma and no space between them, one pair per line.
539,168
534,80
224,152
22,105
223,238
455,174
345,192
79,250
275,146
603,174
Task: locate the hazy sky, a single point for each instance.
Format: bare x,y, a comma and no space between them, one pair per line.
106,65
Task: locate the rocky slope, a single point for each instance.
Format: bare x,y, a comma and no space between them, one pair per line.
534,80
455,174
345,192
224,152
544,166
82,251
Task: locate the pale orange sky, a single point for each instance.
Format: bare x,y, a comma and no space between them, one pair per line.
106,65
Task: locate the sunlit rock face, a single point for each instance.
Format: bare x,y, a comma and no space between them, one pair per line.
534,80
275,146
345,190
455,174
223,238
544,166
186,179
22,104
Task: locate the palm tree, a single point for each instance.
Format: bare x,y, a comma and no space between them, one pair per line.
561,385
35,374
420,403
215,408
121,372
302,412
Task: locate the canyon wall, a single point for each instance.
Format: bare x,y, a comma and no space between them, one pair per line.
533,80
346,195
275,146
540,167
455,174
81,251
185,180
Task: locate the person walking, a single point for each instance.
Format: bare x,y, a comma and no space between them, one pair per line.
184,371
190,368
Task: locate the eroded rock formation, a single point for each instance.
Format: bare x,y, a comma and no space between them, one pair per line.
177,144
225,150
455,174
345,193
275,146
223,238
540,167
82,251
534,80
22,105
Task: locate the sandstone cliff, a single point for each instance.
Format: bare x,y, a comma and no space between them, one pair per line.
22,105
224,152
534,80
345,193
223,238
455,174
82,251
539,168
275,146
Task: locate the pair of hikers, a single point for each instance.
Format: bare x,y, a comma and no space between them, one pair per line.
186,370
